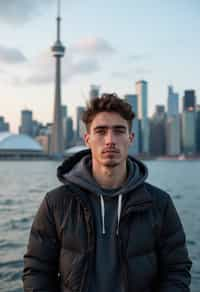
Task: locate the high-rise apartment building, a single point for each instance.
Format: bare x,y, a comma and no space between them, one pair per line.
142,95
94,91
80,127
70,132
172,102
133,101
198,129
64,123
173,134
157,132
189,100
26,126
189,122
4,127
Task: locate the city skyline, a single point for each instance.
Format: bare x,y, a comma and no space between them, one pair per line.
112,48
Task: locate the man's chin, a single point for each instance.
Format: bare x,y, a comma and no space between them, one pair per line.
111,164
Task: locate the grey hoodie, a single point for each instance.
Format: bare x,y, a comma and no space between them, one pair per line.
106,206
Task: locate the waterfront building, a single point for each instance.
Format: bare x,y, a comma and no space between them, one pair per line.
173,139
173,131
189,132
157,132
26,126
189,100
70,132
80,127
198,129
94,91
19,146
64,124
142,94
4,127
133,101
172,102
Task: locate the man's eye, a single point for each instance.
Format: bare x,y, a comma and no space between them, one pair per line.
120,131
101,132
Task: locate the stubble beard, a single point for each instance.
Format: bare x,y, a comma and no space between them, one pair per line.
111,164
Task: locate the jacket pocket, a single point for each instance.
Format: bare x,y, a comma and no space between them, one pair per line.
142,271
75,279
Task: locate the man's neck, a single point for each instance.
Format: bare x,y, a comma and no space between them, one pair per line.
110,177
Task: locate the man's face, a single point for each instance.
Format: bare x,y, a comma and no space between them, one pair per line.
109,139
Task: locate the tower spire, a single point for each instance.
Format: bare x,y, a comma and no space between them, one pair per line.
58,8
58,50
58,20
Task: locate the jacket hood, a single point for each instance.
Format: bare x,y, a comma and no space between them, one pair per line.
77,170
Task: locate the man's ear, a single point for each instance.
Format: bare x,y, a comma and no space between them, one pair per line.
131,137
87,139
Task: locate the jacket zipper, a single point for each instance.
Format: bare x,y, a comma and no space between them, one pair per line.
134,208
90,226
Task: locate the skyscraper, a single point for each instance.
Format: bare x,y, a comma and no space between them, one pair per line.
172,102
157,132
189,122
57,146
142,94
80,127
4,127
173,139
189,100
189,132
70,132
26,126
94,91
133,101
198,129
64,122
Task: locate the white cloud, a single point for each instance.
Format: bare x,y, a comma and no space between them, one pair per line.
92,46
20,11
43,68
11,55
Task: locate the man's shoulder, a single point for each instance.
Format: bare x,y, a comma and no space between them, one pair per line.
60,193
159,196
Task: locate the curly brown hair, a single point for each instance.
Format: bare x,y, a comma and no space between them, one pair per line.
107,102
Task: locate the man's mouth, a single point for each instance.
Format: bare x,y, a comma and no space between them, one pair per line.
110,151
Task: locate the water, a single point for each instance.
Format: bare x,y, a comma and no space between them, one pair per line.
24,184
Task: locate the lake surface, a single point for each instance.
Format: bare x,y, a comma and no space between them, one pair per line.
24,184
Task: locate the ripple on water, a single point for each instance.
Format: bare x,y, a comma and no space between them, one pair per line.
18,224
12,264
6,244
191,242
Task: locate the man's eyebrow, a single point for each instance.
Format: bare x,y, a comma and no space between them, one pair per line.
107,127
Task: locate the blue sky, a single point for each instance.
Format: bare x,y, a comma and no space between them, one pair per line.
109,43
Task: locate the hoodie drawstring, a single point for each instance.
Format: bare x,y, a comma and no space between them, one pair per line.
119,208
103,214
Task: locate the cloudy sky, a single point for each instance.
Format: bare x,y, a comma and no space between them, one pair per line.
109,43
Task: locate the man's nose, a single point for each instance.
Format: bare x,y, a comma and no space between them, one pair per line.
110,138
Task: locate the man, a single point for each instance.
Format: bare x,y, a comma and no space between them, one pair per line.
106,229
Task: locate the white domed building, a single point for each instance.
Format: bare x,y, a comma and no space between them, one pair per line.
19,146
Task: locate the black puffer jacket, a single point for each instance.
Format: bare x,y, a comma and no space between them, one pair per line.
151,242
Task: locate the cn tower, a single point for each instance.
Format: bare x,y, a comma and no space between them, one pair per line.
57,138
